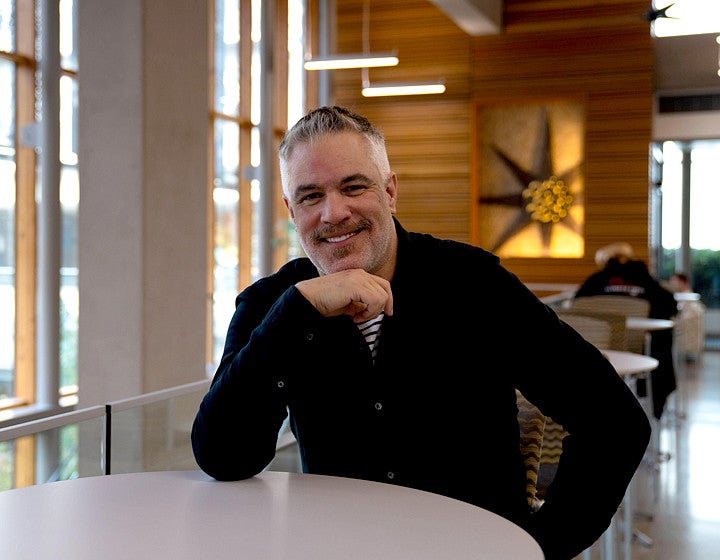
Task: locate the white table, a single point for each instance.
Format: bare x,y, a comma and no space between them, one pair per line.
628,364
648,324
273,516
687,296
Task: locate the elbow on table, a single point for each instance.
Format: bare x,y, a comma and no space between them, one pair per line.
226,465
224,460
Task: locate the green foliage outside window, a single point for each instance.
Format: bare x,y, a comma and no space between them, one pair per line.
68,347
6,465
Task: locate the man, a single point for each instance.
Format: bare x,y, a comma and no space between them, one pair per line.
620,273
428,401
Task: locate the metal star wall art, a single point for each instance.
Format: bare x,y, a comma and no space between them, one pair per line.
542,196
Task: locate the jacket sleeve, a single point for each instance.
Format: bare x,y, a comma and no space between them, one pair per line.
608,433
235,431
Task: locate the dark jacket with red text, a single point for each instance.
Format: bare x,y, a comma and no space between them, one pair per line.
437,410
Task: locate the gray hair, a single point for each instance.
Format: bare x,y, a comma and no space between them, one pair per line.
328,120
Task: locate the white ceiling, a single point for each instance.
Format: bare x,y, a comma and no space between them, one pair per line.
687,63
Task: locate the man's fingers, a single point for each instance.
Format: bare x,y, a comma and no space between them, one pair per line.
355,292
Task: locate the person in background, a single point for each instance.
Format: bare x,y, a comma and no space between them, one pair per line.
622,274
679,282
392,369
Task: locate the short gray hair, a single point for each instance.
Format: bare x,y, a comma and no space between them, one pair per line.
328,120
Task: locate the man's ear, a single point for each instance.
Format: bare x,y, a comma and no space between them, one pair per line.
287,205
391,190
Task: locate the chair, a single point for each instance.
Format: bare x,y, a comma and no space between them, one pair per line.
532,426
690,329
626,306
604,330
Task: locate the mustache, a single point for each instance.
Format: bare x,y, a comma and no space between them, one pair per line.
336,231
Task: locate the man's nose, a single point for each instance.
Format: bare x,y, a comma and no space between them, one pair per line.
335,208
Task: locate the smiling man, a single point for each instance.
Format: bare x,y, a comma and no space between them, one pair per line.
397,356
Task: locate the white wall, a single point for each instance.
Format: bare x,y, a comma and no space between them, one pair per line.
143,218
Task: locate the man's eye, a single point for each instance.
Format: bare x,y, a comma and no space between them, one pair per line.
309,197
355,189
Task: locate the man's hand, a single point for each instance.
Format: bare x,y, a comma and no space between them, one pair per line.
353,292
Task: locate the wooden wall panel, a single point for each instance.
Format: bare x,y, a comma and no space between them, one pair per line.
598,51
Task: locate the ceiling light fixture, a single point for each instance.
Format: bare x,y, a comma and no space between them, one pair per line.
390,88
402,88
340,62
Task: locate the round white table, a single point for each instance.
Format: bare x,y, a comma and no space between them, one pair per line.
687,296
273,516
648,324
630,363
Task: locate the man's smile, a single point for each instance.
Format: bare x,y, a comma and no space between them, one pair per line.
340,238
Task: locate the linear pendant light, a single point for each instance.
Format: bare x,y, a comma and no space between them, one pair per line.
373,60
392,88
402,88
365,60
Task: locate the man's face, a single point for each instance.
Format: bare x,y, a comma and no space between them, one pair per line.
342,199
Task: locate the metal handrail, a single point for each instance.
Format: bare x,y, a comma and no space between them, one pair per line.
156,396
51,422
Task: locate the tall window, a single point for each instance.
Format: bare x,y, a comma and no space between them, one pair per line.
236,112
69,198
21,111
691,165
10,62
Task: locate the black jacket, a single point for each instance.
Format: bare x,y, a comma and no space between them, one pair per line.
631,278
437,411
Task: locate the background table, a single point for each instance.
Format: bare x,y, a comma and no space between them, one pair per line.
648,324
274,516
687,296
630,363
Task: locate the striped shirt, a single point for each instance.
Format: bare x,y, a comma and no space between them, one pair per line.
371,331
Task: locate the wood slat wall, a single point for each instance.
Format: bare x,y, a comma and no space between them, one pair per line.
599,51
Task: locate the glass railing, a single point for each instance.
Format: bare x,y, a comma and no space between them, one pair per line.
60,447
149,432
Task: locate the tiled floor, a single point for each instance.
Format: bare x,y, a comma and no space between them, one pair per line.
686,514
686,520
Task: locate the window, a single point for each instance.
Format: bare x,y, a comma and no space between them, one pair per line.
69,200
17,205
695,161
237,159
20,107
19,134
